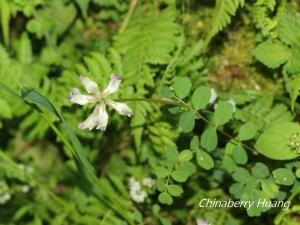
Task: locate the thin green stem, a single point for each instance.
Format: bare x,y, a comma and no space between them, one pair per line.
12,76
125,23
60,135
179,102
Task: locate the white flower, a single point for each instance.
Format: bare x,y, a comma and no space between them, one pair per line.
148,182
136,192
5,198
21,166
134,184
213,96
202,222
99,117
26,169
25,189
138,196
232,102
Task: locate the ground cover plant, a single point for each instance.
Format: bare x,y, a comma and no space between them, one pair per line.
149,112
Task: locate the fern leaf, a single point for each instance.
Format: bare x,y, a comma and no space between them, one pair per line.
149,39
272,53
263,114
222,16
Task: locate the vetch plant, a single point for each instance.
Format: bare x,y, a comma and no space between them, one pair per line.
212,119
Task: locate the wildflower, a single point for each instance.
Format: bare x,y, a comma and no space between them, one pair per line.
138,196
148,182
99,117
232,102
26,169
136,192
4,193
5,198
25,189
21,166
134,184
213,96
202,222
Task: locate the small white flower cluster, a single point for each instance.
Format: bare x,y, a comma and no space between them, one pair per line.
25,189
28,170
137,193
25,169
214,96
202,222
5,196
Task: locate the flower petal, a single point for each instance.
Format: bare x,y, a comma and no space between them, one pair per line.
102,118
90,86
76,97
213,96
90,123
121,108
113,85
232,102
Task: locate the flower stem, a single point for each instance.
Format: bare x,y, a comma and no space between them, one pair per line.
179,102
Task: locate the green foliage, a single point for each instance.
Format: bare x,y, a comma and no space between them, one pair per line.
261,15
208,123
264,114
283,50
275,142
222,16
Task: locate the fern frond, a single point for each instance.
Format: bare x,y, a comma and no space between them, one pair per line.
264,114
261,15
149,40
223,11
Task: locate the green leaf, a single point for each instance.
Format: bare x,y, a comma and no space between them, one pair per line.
205,160
274,142
185,155
284,176
166,92
33,97
272,53
223,113
161,171
201,97
187,121
165,221
256,196
237,189
241,175
295,89
269,188
79,152
5,12
182,86
247,131
194,142
289,28
182,173
165,198
228,163
260,170
175,190
83,5
5,109
240,155
209,139
180,176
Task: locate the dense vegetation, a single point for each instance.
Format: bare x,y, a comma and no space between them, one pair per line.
205,98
